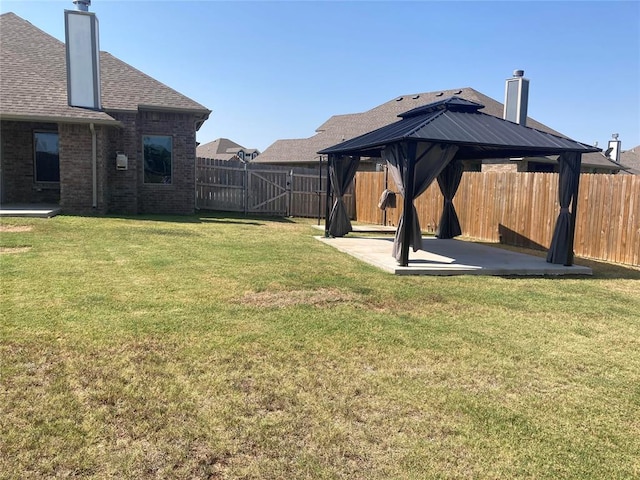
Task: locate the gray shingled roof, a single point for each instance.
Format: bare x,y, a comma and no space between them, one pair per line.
216,147
222,149
345,127
33,83
631,159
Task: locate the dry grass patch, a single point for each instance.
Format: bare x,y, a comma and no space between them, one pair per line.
15,228
282,299
10,250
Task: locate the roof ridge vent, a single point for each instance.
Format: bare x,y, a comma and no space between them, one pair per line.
456,104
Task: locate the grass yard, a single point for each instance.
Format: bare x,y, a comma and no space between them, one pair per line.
221,347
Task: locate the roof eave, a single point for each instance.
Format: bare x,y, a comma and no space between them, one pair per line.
18,117
161,108
376,146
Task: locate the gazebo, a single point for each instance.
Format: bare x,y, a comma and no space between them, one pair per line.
429,143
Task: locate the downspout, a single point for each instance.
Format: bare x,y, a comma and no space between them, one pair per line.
94,164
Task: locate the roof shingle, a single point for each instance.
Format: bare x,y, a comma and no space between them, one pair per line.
33,80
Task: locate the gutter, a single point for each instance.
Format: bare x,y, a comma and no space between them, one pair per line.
94,164
59,119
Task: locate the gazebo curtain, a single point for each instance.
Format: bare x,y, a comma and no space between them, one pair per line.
341,173
449,181
430,159
561,249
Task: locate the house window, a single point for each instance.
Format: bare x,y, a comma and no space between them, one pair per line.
158,153
47,157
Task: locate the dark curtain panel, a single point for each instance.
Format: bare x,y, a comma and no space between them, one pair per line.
449,181
560,251
341,173
429,162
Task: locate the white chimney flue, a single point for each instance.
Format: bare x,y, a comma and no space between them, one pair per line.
83,56
516,98
614,148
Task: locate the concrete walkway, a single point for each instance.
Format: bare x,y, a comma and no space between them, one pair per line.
40,210
449,257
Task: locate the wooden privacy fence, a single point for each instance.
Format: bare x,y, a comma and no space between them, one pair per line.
521,209
263,189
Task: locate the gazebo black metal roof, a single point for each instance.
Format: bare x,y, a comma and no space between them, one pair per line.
458,121
428,142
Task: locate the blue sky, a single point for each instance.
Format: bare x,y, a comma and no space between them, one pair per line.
272,70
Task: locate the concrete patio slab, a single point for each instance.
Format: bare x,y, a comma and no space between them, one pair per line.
40,210
449,257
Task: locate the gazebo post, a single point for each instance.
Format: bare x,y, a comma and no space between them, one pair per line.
407,210
330,158
574,215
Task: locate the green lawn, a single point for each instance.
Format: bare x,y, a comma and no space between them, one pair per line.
226,347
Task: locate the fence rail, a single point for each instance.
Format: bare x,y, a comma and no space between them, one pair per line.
263,189
521,209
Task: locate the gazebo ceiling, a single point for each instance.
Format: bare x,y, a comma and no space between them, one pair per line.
458,121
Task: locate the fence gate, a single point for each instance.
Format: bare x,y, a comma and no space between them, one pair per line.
268,192
265,189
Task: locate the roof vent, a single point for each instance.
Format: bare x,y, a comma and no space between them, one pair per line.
415,97
82,5
439,94
516,98
398,99
458,92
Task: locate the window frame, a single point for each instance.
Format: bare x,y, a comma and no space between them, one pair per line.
36,180
144,169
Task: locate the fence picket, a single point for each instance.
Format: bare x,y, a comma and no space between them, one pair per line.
523,207
230,185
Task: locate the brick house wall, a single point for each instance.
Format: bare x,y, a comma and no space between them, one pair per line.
17,153
123,184
179,197
127,192
118,191
76,168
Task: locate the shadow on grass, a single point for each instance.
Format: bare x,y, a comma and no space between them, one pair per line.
198,217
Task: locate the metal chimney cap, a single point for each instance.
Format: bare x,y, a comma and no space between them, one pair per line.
82,5
518,73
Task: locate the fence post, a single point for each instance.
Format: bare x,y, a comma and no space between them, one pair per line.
289,186
245,190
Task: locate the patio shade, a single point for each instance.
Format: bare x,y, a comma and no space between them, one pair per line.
341,173
459,122
428,160
560,250
449,181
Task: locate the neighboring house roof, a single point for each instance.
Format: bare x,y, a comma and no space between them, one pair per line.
345,127
33,84
216,147
222,149
631,159
592,160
